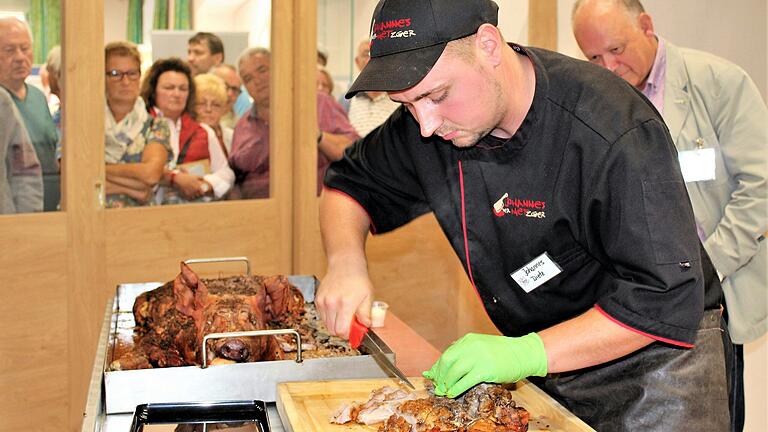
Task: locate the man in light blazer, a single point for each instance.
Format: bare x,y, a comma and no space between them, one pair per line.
719,123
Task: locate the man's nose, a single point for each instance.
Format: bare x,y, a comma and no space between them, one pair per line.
428,120
610,62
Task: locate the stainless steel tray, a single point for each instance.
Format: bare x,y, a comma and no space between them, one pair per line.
124,390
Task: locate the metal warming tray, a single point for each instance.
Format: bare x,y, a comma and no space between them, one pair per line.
124,390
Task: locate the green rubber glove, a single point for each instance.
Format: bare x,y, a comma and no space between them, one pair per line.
477,358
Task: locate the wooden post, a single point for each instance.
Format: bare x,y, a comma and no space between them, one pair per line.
542,24
308,256
83,183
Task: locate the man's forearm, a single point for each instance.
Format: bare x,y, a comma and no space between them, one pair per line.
588,340
346,289
344,226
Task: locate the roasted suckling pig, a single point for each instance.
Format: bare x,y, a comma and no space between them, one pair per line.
172,320
484,408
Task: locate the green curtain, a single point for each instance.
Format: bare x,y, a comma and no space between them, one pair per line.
182,12
160,21
135,31
45,22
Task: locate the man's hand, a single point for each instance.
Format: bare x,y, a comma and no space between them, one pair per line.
342,295
477,358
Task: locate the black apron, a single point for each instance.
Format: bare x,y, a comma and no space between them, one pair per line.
658,388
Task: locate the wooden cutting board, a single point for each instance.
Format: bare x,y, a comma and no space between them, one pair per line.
308,406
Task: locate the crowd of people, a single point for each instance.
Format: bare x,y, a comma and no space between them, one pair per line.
185,130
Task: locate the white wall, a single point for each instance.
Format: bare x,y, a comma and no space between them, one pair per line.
340,41
15,5
115,20
513,20
756,384
253,16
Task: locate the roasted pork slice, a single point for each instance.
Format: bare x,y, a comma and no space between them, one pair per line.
382,403
484,408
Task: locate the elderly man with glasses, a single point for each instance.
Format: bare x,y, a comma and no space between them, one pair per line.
228,73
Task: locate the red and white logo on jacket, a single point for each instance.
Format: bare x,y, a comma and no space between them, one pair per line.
520,207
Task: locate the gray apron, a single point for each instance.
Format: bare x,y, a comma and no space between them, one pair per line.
659,388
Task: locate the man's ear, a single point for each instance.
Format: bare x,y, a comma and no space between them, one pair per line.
218,58
489,43
646,24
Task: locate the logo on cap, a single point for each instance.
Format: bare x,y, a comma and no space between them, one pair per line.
390,29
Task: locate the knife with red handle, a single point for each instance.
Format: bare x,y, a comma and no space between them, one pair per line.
359,335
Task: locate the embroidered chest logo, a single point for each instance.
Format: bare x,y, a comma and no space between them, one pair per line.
519,207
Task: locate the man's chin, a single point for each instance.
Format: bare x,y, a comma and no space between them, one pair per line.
463,142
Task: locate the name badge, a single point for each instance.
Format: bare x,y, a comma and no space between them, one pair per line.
697,165
536,272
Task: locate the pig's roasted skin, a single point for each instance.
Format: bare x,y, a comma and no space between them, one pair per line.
172,320
283,301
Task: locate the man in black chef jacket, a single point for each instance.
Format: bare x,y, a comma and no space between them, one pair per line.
557,185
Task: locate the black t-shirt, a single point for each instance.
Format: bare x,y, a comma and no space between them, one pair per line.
590,178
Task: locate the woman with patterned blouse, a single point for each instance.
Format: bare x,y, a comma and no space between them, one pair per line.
137,145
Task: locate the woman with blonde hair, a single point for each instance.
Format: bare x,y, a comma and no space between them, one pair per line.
211,105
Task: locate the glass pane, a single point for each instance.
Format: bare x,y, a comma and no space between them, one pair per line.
170,132
29,107
336,68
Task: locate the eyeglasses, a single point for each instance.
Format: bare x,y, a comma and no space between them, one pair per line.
234,89
116,75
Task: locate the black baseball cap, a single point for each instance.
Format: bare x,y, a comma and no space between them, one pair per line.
408,36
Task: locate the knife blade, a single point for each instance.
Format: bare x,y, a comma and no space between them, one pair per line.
359,334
